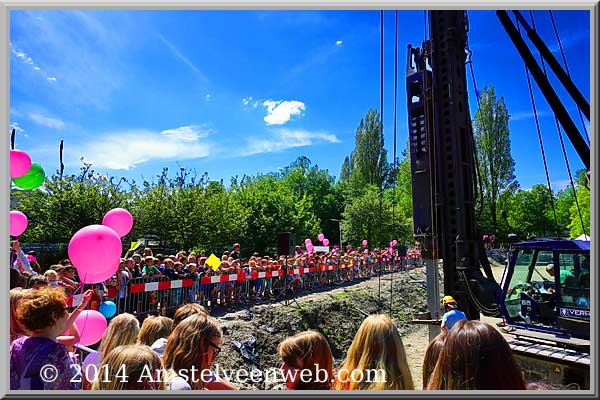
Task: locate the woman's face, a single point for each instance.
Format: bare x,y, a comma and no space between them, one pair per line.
214,347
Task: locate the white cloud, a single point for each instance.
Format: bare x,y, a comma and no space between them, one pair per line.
182,57
280,112
523,115
18,130
21,55
560,184
125,150
339,42
282,139
207,97
53,123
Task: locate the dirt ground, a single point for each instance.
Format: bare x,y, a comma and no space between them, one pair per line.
337,313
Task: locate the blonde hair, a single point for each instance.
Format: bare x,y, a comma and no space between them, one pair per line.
188,344
376,346
122,330
134,362
153,328
312,349
17,295
51,273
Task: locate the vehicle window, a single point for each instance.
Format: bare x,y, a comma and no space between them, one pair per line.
574,280
512,300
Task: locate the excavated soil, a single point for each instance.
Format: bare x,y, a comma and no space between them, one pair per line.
336,313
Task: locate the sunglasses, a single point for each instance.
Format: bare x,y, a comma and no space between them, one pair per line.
217,348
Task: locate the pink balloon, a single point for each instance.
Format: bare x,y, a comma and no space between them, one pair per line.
310,247
395,242
18,223
325,242
364,242
90,278
120,220
307,241
20,163
485,237
94,250
91,325
391,250
321,237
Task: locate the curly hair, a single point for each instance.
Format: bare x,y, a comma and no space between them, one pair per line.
153,328
40,310
17,295
188,344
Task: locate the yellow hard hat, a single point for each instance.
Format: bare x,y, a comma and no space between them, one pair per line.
447,300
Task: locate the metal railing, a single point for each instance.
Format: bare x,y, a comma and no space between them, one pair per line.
160,295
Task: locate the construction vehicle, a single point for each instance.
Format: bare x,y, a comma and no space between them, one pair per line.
546,310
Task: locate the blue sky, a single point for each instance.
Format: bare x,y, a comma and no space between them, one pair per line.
247,92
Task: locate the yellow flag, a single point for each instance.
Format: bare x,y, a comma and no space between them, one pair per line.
134,245
213,262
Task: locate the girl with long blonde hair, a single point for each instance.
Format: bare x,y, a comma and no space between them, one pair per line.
154,328
376,359
141,366
122,330
194,343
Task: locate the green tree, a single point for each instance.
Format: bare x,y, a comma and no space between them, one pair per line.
492,141
369,158
580,211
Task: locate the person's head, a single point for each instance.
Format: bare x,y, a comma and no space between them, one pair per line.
178,265
122,329
307,350
431,356
149,261
187,310
137,258
17,295
192,267
38,282
66,262
475,356
236,247
69,271
154,328
194,342
59,269
44,312
550,269
144,369
376,346
147,251
192,259
51,276
449,303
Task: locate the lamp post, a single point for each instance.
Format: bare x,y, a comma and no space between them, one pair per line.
339,228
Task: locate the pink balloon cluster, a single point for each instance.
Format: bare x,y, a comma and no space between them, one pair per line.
321,237
20,163
95,250
91,325
18,223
